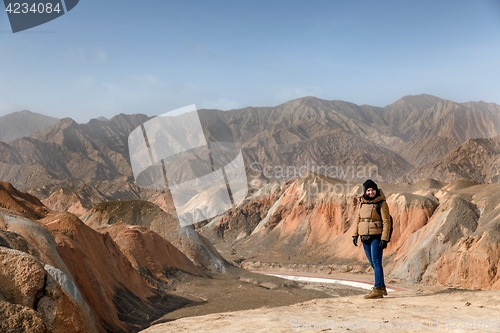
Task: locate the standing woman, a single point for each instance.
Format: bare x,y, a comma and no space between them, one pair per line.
373,225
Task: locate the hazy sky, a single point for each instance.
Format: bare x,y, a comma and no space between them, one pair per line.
123,56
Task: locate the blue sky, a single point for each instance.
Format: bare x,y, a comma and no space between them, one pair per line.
110,57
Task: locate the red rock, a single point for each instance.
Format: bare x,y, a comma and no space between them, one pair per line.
100,270
24,281
22,277
22,203
146,214
18,318
149,252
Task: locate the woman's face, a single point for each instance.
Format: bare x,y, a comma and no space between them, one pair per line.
371,193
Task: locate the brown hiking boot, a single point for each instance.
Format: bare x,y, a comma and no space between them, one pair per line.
384,291
375,293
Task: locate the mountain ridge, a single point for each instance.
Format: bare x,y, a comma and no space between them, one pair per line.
413,131
475,159
23,123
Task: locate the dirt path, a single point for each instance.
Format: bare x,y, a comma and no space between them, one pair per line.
401,311
242,290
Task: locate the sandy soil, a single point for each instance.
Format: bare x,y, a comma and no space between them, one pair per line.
243,290
401,311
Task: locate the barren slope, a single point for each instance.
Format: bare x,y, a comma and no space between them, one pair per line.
476,159
23,123
310,220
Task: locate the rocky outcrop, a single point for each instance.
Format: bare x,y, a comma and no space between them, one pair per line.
22,203
453,220
18,318
148,215
33,238
39,298
299,217
476,160
443,233
69,200
22,277
59,275
149,253
473,261
249,216
95,259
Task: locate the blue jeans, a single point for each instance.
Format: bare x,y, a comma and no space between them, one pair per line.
374,254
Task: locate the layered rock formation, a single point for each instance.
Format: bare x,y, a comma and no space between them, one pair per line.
145,214
34,300
59,275
37,288
147,251
71,200
476,159
443,233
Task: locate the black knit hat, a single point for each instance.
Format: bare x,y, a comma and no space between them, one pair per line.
369,184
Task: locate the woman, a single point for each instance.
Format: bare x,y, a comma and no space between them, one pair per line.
373,225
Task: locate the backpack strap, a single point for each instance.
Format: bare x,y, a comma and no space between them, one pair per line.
378,207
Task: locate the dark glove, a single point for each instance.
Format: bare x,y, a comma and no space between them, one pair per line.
382,244
355,240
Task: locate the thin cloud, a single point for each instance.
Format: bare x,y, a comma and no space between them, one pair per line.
87,57
220,104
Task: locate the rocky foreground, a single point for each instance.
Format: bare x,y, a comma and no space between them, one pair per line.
405,311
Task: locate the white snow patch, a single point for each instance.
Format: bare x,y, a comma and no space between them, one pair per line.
356,284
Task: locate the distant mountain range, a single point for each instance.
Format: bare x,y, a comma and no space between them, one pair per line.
475,159
23,123
404,141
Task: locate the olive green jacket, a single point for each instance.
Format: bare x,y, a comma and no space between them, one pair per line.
369,222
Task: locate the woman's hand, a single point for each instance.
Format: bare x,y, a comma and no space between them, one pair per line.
382,244
355,240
